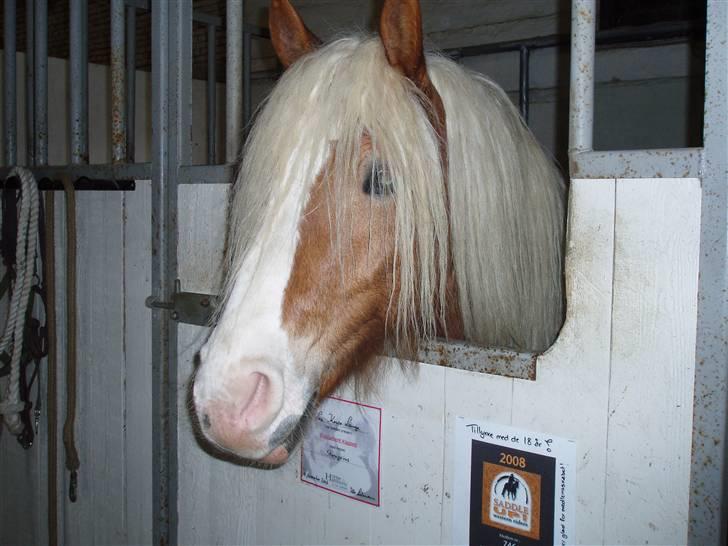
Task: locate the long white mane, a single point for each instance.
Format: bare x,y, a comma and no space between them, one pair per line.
504,226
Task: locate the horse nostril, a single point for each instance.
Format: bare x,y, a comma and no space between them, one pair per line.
205,421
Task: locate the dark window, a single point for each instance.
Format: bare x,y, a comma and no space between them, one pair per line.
630,13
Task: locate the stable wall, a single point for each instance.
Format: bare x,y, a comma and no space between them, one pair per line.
598,359
619,381
114,407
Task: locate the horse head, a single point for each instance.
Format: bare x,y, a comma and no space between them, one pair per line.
343,227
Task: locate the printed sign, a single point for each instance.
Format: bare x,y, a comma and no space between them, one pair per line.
341,450
512,487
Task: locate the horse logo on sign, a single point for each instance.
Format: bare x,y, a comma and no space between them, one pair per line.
511,499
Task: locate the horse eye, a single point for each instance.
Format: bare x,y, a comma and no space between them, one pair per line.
376,183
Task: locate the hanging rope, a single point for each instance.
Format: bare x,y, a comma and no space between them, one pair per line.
26,245
69,442
50,284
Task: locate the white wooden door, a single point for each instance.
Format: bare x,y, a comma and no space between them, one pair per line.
619,381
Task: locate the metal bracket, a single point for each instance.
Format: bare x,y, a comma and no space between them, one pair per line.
187,307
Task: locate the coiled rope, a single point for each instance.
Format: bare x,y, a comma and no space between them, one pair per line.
26,244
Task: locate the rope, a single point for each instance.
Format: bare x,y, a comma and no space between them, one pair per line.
10,402
69,442
50,285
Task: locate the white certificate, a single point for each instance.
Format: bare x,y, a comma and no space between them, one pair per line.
341,450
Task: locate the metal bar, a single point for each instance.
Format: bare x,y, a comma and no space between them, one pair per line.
207,174
211,96
118,87
9,83
41,82
247,89
160,285
234,80
171,103
708,513
207,19
29,82
79,81
581,93
120,171
84,84
130,81
524,91
81,184
466,356
658,163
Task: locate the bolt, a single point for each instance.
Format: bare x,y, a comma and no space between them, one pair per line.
205,302
175,315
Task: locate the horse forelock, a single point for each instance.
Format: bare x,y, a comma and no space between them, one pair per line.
330,100
334,96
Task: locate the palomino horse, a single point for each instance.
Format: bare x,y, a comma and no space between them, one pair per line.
386,196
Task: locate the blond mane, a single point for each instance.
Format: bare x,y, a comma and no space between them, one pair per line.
504,227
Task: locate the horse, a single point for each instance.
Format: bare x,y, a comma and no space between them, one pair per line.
386,196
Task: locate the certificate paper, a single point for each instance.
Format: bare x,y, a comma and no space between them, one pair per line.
512,487
341,450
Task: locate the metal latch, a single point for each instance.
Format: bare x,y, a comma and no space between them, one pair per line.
187,307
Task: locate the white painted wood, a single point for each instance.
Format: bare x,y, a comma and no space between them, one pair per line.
411,461
99,513
573,396
569,396
115,497
472,395
217,499
137,349
657,237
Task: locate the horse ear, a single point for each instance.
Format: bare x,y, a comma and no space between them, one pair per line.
400,28
291,39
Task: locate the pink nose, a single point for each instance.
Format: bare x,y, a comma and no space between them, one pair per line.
251,405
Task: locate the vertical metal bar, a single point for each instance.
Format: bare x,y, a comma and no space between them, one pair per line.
41,82
211,96
708,516
247,89
234,80
9,94
130,80
79,81
524,91
581,99
160,285
118,88
172,106
29,82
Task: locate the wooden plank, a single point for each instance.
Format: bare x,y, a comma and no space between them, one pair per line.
202,217
137,331
476,396
99,515
569,396
217,499
657,238
411,474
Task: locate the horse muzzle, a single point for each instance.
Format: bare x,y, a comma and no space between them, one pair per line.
247,418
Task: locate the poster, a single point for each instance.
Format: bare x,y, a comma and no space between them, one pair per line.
341,450
512,487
